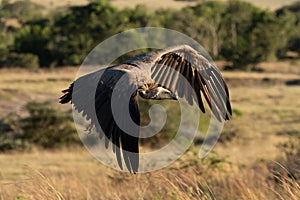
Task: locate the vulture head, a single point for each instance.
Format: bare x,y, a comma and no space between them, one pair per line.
158,93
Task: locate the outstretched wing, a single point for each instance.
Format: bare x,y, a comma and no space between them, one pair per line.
203,76
92,96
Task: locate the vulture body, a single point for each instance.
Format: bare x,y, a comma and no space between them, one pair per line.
160,74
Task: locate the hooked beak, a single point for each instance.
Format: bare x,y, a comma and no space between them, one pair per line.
174,97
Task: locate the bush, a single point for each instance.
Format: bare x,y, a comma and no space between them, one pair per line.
45,126
48,127
10,134
23,60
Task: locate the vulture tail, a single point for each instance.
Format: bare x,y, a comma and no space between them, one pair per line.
67,96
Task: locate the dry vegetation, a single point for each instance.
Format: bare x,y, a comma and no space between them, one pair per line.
156,4
257,156
253,159
19,86
76,175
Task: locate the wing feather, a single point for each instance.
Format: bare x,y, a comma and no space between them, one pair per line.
202,75
101,114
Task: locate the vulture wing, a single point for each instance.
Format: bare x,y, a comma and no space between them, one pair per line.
93,97
203,76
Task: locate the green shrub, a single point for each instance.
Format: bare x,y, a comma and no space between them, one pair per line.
45,126
237,112
48,127
9,134
23,60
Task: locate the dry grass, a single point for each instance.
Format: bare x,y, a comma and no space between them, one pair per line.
75,175
269,111
52,4
266,114
291,66
19,86
38,81
153,4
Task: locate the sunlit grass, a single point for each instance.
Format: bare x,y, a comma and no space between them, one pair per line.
76,175
32,82
241,166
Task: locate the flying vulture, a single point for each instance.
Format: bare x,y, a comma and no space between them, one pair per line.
153,75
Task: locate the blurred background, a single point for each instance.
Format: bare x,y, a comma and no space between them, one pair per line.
255,44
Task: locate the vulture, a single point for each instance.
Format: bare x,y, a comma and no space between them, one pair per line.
107,97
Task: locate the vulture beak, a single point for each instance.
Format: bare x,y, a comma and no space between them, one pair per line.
174,97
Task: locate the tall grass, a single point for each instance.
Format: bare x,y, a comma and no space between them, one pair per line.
75,175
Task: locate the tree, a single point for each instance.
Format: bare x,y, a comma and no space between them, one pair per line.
238,21
291,15
35,39
83,27
255,34
210,17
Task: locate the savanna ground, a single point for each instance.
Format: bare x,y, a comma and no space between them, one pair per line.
257,156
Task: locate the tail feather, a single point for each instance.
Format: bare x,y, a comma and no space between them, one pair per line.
67,96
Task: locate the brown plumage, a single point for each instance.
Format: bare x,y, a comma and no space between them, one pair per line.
154,75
